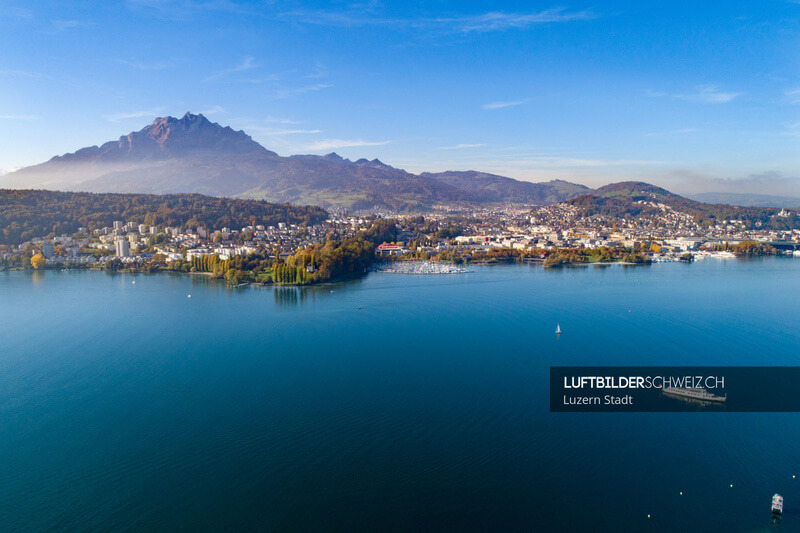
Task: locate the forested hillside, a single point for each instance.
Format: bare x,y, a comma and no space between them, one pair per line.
25,214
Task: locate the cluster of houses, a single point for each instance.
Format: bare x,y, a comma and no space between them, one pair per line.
133,242
506,227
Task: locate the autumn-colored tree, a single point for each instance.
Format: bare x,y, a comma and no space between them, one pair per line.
37,261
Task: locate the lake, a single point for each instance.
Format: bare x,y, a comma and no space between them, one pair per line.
393,402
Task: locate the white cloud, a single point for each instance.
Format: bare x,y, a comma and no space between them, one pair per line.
258,80
63,25
117,117
285,93
248,63
792,95
18,117
4,171
575,162
500,21
157,65
706,94
709,94
671,132
655,94
311,88
331,144
481,23
763,182
213,110
461,146
319,72
17,13
277,120
186,9
277,132
24,74
501,105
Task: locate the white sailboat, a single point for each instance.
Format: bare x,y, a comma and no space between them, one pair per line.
558,329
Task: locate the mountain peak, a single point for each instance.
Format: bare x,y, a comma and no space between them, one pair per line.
333,156
166,138
631,188
186,122
188,134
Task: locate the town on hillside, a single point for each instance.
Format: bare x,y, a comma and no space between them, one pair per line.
556,234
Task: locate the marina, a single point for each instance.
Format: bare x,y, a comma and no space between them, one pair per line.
418,267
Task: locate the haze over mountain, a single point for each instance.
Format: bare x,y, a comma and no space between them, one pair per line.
494,188
747,200
194,155
637,200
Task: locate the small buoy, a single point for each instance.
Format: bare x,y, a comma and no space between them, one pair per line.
648,516
681,493
731,485
188,295
133,283
359,308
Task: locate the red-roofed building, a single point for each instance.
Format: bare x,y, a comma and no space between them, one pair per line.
389,249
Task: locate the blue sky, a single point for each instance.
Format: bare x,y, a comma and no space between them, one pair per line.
693,96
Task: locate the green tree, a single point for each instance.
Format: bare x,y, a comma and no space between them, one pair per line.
234,277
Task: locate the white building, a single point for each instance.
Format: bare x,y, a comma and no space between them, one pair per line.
122,248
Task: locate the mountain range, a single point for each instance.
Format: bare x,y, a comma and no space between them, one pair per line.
194,155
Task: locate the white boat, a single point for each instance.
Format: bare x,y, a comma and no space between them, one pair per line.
696,393
777,506
558,329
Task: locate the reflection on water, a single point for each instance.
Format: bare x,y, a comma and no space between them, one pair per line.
131,406
289,296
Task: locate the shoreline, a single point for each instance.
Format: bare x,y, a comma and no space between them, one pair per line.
461,269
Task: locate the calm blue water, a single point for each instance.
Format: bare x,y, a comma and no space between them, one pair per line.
132,407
